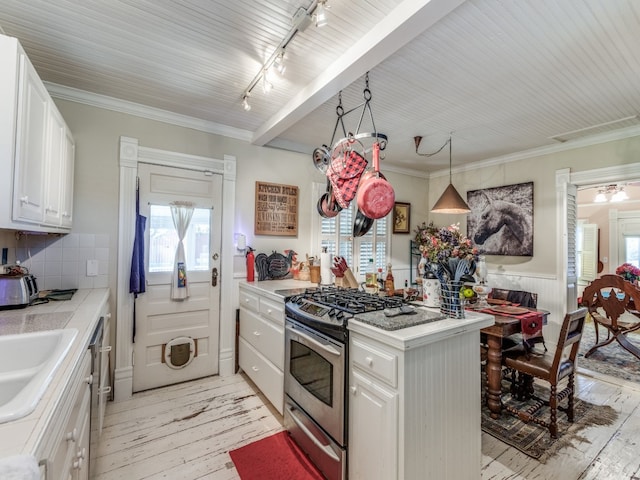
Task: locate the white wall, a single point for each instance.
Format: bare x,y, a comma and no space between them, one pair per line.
539,272
97,133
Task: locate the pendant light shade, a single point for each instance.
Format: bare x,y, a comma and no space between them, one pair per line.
450,201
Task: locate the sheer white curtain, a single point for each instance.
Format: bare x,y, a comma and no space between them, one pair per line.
181,212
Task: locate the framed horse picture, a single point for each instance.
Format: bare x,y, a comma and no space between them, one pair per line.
501,220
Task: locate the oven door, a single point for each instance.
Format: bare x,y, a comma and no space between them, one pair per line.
314,376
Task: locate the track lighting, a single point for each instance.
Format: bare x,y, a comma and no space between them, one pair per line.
321,14
245,103
301,20
279,64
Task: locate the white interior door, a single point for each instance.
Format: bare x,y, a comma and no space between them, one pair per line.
178,340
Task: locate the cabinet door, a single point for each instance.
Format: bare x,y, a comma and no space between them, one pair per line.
31,145
53,184
373,444
67,180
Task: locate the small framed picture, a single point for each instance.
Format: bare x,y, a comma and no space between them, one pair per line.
401,217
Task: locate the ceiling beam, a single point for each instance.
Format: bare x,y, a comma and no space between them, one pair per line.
408,20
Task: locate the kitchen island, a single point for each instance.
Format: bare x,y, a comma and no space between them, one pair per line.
37,433
415,397
413,387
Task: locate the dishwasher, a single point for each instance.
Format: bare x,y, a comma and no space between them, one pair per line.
100,385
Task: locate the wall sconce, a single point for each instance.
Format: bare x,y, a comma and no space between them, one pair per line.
241,242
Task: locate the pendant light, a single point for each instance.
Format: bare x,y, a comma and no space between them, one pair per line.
450,201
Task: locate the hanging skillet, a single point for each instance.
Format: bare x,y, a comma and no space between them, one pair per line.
362,224
327,205
375,195
321,158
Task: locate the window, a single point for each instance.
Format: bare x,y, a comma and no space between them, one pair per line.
163,239
632,250
336,234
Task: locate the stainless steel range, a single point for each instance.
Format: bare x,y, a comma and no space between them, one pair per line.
315,381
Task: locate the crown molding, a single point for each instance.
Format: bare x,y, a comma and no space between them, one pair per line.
138,110
620,134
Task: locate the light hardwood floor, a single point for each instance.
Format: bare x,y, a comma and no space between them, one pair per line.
185,431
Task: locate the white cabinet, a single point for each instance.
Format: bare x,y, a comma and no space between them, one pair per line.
373,445
68,166
414,406
36,149
373,451
54,168
261,343
65,447
31,144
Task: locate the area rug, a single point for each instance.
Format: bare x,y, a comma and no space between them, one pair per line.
535,440
611,360
275,457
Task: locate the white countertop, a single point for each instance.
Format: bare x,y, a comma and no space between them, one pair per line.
423,334
81,312
269,287
404,338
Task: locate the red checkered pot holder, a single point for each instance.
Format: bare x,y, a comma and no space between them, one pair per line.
344,174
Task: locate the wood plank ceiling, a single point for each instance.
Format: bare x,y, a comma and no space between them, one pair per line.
503,76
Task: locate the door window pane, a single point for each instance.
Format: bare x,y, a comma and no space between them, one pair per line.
632,250
163,239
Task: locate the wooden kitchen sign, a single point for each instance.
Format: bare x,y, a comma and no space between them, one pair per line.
276,210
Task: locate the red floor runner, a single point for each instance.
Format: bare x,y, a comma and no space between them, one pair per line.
275,457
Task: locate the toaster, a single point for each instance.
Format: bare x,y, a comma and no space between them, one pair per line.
17,291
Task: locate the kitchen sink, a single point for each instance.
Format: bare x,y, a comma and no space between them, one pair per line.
28,362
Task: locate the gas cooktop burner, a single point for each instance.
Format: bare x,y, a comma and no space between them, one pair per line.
350,300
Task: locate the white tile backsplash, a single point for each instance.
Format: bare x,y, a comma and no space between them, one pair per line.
71,241
60,262
87,240
102,241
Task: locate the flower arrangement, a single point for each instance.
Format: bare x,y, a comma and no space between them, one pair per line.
438,245
450,256
628,272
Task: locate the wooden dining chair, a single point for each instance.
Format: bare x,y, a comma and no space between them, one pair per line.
550,368
607,298
519,297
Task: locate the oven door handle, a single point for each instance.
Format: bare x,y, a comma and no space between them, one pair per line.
325,448
326,348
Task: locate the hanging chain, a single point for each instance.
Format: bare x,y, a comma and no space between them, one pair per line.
340,113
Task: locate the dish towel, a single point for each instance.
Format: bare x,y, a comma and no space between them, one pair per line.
19,467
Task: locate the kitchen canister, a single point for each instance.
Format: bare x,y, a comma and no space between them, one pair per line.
430,290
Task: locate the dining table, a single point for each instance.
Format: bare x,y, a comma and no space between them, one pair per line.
508,321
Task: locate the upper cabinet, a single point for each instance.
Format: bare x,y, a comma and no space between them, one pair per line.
36,149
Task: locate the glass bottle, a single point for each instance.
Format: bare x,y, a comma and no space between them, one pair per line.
389,286
371,279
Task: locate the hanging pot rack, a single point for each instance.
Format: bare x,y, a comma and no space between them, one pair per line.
322,156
